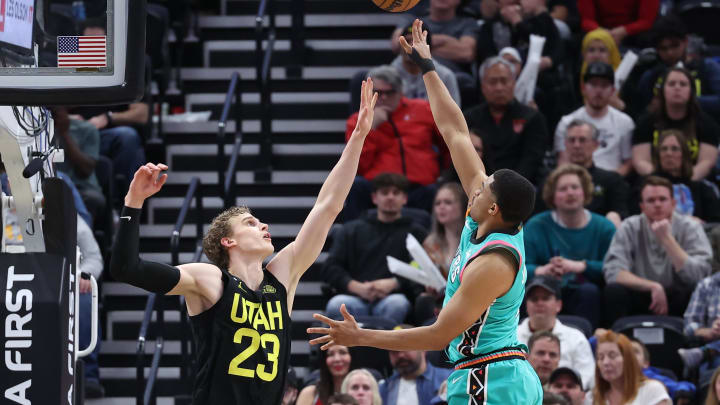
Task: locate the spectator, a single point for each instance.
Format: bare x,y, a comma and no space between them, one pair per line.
544,302
682,392
514,24
655,259
618,377
670,38
403,139
569,242
291,388
513,135
698,199
442,243
702,321
362,386
414,381
413,84
611,192
81,141
623,19
567,382
613,126
599,46
454,40
544,354
335,363
356,265
713,396
677,109
342,399
566,16
120,139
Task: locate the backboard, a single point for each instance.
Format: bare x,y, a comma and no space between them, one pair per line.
70,52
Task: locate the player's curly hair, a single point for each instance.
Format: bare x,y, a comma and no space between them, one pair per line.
221,227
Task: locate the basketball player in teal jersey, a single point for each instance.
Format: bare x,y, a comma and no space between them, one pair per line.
239,311
486,282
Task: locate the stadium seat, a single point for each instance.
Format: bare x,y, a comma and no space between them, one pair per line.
662,335
577,322
701,18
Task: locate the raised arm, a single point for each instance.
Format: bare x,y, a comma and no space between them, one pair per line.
485,278
448,116
291,262
200,283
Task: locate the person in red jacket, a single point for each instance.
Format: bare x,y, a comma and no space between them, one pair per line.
625,19
403,139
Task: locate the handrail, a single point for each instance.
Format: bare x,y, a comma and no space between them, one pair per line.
194,191
142,336
226,176
263,77
149,394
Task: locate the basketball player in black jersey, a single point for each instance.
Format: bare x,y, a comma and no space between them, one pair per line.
239,311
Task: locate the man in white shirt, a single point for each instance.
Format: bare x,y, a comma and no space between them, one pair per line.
614,126
544,302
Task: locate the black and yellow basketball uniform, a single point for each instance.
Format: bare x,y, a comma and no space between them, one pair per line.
243,345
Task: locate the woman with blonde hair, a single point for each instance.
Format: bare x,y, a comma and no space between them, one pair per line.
618,377
362,386
448,218
599,46
713,396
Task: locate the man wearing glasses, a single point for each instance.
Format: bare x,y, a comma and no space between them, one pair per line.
404,140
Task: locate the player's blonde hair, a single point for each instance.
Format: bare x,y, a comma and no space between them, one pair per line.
221,227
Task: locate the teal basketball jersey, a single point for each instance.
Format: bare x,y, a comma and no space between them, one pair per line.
497,327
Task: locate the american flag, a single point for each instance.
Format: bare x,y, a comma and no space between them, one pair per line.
88,51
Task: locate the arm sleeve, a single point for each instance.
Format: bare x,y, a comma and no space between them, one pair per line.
619,254
697,246
126,265
646,17
587,15
91,262
335,270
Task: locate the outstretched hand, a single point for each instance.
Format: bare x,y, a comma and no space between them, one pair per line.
345,332
145,183
367,108
419,42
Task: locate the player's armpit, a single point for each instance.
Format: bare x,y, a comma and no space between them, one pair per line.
486,278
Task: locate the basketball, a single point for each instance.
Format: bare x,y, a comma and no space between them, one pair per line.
396,6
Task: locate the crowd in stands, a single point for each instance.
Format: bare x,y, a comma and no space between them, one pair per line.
627,205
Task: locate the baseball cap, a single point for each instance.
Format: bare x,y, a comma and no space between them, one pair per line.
549,283
408,30
512,52
601,70
566,371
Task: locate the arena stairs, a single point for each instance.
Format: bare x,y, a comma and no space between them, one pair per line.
308,126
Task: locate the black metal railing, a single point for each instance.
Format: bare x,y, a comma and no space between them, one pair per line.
145,394
194,192
226,174
298,50
263,60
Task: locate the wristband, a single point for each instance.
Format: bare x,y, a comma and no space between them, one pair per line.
425,65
